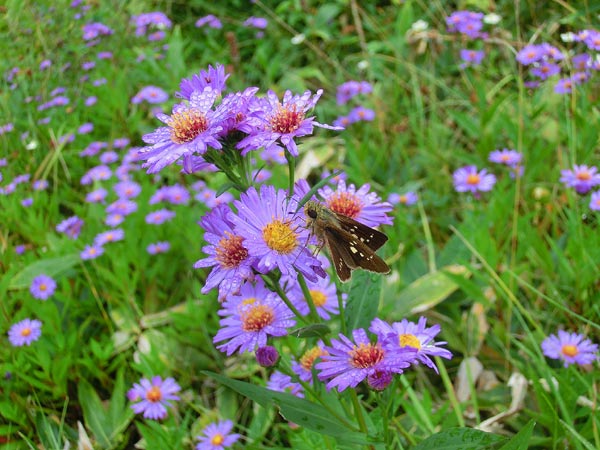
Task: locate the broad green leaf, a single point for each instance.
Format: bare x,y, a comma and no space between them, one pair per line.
297,410
427,291
50,267
363,299
520,441
460,439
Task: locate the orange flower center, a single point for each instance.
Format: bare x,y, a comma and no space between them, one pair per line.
230,251
318,297
583,175
286,120
308,359
403,199
345,203
154,395
187,125
280,237
43,287
409,340
473,179
366,355
569,350
25,332
217,439
257,318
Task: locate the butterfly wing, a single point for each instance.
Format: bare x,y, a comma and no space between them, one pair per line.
371,237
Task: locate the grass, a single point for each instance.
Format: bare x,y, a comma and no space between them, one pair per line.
499,272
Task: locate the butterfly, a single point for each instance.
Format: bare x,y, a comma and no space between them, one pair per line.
351,244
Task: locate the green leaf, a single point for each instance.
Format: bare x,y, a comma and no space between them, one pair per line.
427,291
520,441
363,299
50,267
297,410
314,330
459,439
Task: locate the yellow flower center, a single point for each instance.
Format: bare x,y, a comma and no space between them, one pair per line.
280,237
345,203
217,439
43,287
583,175
230,252
318,297
403,199
153,395
257,318
187,125
569,350
25,332
366,355
409,340
308,359
286,120
473,179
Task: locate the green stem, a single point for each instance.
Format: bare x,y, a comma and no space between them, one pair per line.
274,285
314,315
291,169
358,412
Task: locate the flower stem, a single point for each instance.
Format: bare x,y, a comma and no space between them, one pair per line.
291,169
314,315
274,285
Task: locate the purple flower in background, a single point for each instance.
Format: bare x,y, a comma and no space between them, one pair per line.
88,65
109,236
210,21
114,220
109,157
506,156
159,217
350,89
209,198
581,61
85,128
267,356
153,396
150,94
410,334
96,196
96,174
256,22
27,202
582,178
564,86
227,253
361,114
323,295
20,249
93,148
158,247
595,201
120,143
280,382
545,70
104,55
91,252
348,363
530,54
71,227
250,317
127,189
122,206
190,129
303,367
277,121
571,348
91,101
469,179
143,21
213,77
468,23
406,199
40,185
94,30
42,287
176,195
45,64
361,205
471,57
552,52
217,436
24,332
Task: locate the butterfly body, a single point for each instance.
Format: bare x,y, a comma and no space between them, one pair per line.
351,244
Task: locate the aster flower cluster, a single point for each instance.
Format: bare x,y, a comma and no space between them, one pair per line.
469,24
345,92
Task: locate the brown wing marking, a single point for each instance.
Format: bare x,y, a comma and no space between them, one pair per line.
373,238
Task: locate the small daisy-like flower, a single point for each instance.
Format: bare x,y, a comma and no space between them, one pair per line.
228,255
209,197
545,70
71,227
114,220
350,89
595,201
25,332
213,78
571,348
256,22
505,156
348,363
122,206
27,202
96,196
191,128
251,317
127,189
303,367
109,157
91,252
361,114
150,94
42,287
210,21
472,57
97,173
281,122
409,334
40,185
159,247
406,199
323,294
530,54
159,217
361,205
280,382
582,178
109,236
217,436
564,86
469,179
273,234
153,396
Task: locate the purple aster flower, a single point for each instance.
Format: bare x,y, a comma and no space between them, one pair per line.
361,114
595,201
280,382
96,174
114,220
506,156
159,217
85,128
350,89
120,143
45,64
91,100
406,199
122,206
71,227
592,40
22,178
40,185
109,157
209,198
323,294
99,82
20,249
564,86
530,54
24,332
228,255
273,234
93,148
177,195
580,77
545,70
213,77
582,178
94,30
303,367
581,61
217,436
276,121
191,129
240,107
572,348
153,396
348,363
42,287
88,65
104,55
127,189
96,196
252,316
210,21
256,22
150,94
342,122
469,179
409,334
361,205
109,236
91,252
143,21
273,154
552,52
468,23
27,202
472,57
159,247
